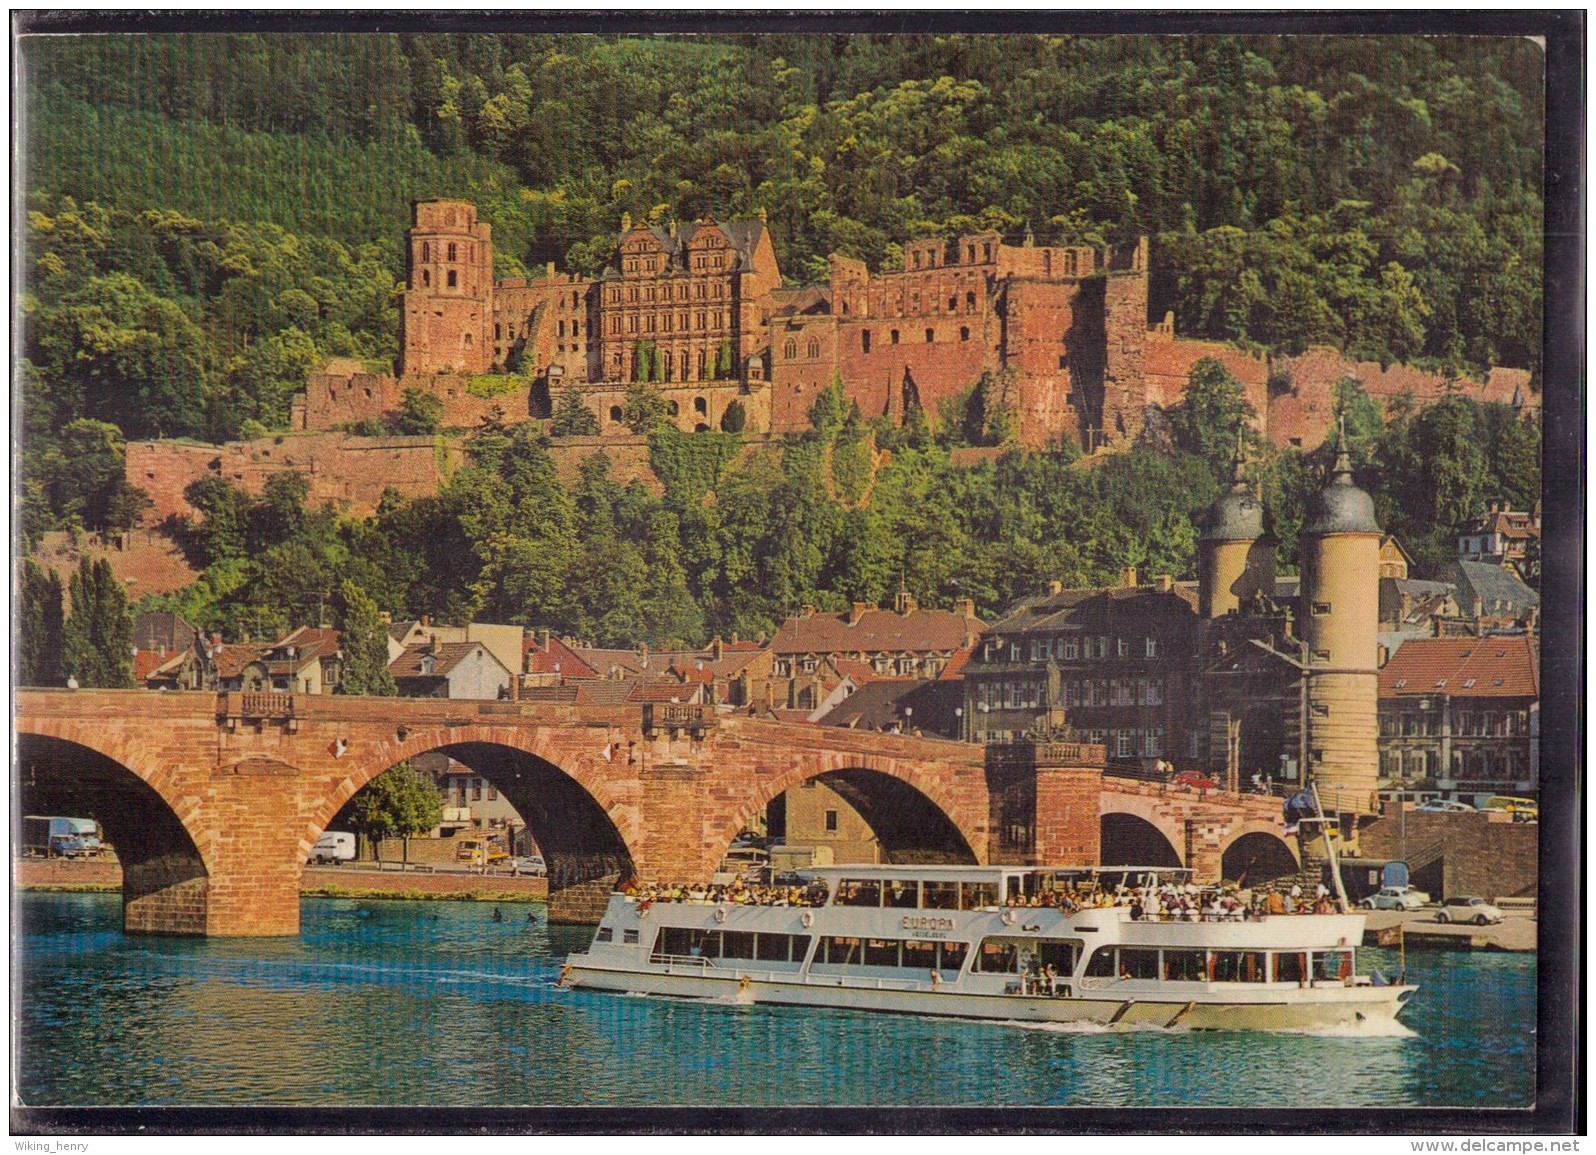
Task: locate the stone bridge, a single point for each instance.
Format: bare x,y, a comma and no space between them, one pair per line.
214,801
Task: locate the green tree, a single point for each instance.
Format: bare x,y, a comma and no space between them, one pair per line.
400,802
40,627
420,414
572,417
365,644
1212,411
643,409
735,417
99,632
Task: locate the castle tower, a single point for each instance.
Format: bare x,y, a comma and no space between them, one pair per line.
1339,622
1235,557
448,313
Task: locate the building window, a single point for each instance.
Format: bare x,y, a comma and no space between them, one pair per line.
616,414
1320,609
1071,650
864,339
930,336
701,406
894,336
453,278
1124,743
1152,647
1122,647
964,332
969,298
789,350
426,278
831,822
814,349
451,250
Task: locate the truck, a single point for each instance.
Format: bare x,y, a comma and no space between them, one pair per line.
54,836
334,846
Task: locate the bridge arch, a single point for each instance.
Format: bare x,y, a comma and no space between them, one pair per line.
1131,824
151,820
589,839
1255,848
902,802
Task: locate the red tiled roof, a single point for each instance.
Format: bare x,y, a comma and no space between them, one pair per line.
1489,667
557,657
146,662
954,670
876,631
667,691
231,659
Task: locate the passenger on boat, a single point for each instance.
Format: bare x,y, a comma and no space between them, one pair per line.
1275,903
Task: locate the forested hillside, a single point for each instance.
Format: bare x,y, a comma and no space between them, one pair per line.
211,216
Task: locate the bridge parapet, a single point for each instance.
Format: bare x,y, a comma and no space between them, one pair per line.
1045,754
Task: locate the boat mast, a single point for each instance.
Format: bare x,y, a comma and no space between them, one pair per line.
1329,847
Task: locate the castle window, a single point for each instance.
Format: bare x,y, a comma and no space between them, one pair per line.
667,322
649,294
790,349
426,252
576,300
576,328
670,366
700,320
631,324
465,339
649,322
615,296
930,336
615,325
894,336
1070,266
969,301
716,292
701,406
814,349
453,278
452,250
672,408
615,414
864,339
426,278
917,260
953,304
700,362
986,252
970,252
964,332
1063,362
498,336
631,294
496,330
700,287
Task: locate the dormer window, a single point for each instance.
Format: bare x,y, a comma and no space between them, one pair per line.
428,664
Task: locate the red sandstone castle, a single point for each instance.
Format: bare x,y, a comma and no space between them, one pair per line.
702,311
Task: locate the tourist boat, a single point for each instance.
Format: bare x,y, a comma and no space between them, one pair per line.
967,941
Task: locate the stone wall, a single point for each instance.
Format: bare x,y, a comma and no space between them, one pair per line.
1484,854
351,472
1303,413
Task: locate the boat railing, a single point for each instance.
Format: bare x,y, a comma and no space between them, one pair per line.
693,962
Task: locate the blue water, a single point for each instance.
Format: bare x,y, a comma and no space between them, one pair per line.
399,1003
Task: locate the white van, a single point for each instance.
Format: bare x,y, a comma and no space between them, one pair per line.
334,846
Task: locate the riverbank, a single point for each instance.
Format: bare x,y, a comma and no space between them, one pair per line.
1516,933
81,876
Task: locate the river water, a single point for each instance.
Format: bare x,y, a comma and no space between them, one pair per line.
407,1003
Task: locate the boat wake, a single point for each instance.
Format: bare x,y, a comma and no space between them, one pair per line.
1368,1029
1083,1027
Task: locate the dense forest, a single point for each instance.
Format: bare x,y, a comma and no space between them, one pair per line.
210,216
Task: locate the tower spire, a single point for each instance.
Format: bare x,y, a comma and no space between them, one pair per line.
1341,472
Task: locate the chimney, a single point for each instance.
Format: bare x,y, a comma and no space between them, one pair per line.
432,643
965,607
425,620
716,650
548,641
903,603
1127,577
807,612
548,270
1055,587
858,610
1166,582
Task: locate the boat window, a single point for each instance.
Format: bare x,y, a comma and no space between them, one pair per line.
773,947
859,892
1185,966
605,934
1289,967
1060,956
902,893
839,949
800,947
951,955
920,956
1332,964
1239,966
939,895
1101,964
673,940
629,937
737,944
881,952
1135,963
997,956
975,895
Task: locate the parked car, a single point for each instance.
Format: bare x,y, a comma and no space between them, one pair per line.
1194,780
529,864
1445,806
1522,809
1468,908
1396,898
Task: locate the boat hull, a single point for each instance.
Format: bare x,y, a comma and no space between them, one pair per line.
1313,1008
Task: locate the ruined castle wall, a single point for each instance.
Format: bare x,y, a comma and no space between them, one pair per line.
351,472
343,399
1304,413
1168,360
803,363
